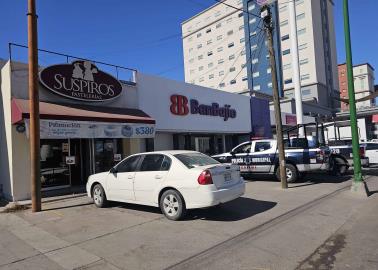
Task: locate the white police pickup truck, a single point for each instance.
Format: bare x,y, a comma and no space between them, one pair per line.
261,157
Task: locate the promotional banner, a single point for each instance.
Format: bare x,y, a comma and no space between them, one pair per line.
62,129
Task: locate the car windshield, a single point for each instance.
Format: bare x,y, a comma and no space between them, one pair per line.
192,160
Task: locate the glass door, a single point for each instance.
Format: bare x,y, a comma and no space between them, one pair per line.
106,154
54,170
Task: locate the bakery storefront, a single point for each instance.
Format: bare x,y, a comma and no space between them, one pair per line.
89,121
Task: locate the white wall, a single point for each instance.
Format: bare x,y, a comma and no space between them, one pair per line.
154,99
346,132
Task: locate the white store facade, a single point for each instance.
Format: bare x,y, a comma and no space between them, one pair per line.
87,125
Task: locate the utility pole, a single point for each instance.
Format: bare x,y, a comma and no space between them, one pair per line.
358,184
295,65
266,15
34,108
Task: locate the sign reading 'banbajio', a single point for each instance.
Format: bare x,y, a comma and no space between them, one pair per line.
80,80
180,105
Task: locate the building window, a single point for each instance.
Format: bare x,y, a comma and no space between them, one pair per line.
298,2
229,33
230,44
199,35
286,66
252,34
242,52
211,76
255,61
303,61
218,25
241,27
244,78
232,69
255,74
220,61
288,81
285,52
306,92
256,87
285,37
251,7
200,68
240,14
219,37
300,16
269,70
283,23
232,81
269,85
208,30
254,47
220,49
209,42
210,65
200,57
302,46
242,40
301,31
221,85
253,20
221,73
199,46
232,56
201,79
283,8
209,53
243,65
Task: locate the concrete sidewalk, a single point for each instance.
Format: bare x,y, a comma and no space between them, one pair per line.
283,228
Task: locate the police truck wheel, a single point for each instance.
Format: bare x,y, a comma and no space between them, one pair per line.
291,173
339,166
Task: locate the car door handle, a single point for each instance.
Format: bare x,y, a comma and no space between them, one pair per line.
130,177
158,177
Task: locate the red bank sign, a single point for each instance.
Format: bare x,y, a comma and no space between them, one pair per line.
180,105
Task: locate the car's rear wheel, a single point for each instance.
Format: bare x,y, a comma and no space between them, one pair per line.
338,166
172,205
291,173
99,196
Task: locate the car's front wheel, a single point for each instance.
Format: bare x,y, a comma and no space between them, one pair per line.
172,205
99,196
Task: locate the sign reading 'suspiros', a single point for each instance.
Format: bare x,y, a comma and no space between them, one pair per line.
80,80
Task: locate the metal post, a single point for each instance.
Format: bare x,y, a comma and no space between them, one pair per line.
357,181
295,65
34,108
276,97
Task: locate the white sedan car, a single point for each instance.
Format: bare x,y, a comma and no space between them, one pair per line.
172,180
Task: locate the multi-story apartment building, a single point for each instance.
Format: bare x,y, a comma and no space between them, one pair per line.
363,85
317,51
214,48
316,44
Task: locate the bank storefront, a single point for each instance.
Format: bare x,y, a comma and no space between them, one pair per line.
89,121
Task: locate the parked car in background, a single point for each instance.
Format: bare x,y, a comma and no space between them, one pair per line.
172,180
371,151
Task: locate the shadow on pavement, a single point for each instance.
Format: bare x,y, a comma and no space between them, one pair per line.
238,209
68,206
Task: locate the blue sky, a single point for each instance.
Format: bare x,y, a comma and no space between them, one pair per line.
146,34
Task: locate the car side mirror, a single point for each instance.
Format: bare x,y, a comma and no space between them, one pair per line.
113,170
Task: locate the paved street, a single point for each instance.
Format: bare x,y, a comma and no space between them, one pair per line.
267,228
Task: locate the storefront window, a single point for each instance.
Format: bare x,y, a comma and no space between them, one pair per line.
54,170
107,152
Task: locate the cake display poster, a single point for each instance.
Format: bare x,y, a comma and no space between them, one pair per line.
62,129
